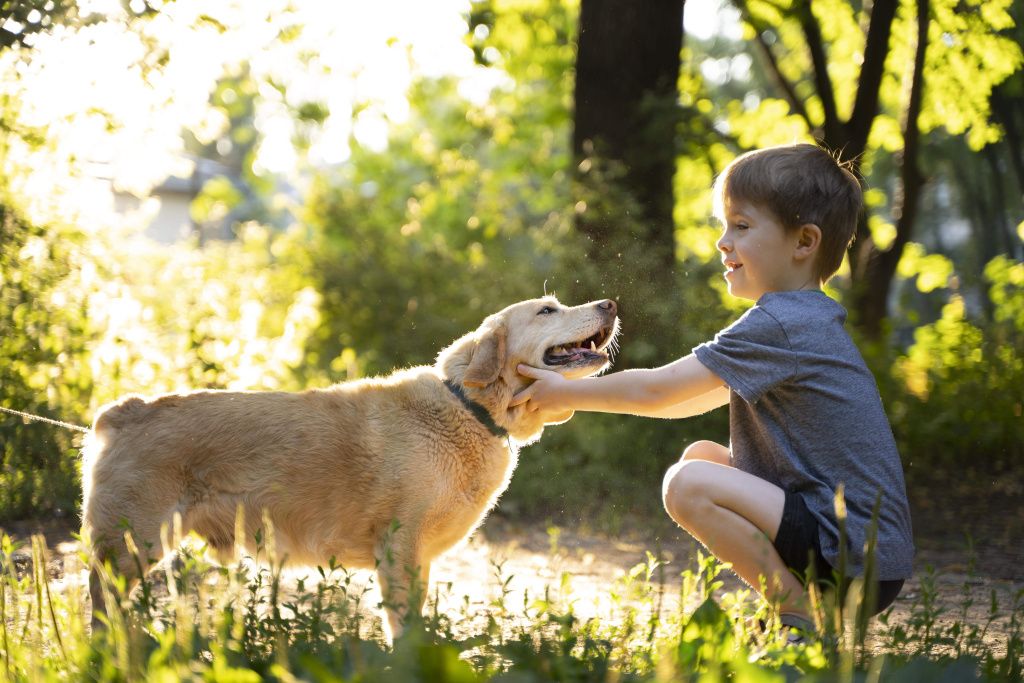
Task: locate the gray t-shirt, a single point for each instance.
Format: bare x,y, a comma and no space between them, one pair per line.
805,414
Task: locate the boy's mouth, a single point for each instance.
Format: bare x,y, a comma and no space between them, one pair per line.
732,265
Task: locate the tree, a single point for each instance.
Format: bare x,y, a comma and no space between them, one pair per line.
627,67
625,150
925,64
35,333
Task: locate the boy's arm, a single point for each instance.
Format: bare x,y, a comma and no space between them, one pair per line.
648,393
716,398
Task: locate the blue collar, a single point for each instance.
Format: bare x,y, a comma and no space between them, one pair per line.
479,412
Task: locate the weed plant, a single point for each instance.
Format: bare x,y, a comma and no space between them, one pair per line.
193,621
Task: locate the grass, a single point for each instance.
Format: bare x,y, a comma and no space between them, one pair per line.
196,622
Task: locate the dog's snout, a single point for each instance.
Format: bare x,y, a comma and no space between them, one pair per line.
608,305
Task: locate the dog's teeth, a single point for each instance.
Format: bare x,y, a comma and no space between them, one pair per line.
593,346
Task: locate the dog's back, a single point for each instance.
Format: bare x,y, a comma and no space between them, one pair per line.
333,467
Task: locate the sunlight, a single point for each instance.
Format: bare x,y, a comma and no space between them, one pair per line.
115,112
707,19
287,210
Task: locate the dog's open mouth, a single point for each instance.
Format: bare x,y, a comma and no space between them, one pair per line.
585,352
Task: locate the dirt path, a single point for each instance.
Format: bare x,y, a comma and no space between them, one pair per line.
596,563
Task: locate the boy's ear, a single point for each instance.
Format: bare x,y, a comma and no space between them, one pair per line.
808,241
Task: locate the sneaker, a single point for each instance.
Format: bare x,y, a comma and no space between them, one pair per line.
799,629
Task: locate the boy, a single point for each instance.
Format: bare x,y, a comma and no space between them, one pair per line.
805,416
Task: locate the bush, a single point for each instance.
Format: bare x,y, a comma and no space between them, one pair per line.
43,338
84,321
955,396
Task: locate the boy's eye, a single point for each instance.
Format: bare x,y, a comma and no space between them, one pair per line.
742,226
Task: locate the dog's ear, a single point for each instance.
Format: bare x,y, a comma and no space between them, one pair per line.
488,358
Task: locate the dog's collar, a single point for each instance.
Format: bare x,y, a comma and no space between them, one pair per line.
481,413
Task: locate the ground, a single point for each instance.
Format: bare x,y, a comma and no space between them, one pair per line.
533,557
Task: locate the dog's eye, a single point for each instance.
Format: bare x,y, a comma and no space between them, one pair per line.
546,310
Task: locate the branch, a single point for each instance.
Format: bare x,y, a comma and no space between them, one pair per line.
1004,111
880,266
822,81
795,103
911,179
876,48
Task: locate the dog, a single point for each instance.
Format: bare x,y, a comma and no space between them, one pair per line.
384,473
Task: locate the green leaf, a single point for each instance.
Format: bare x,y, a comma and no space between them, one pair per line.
931,270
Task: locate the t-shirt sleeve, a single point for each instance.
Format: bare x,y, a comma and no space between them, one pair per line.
752,356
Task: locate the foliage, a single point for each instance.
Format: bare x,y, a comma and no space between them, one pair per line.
468,207
400,250
23,19
956,393
43,335
414,246
251,622
86,321
969,53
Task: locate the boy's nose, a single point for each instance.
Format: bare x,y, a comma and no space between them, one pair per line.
724,244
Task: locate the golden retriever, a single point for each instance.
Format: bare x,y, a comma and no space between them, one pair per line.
386,472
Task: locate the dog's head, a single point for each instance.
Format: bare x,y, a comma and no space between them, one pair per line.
574,341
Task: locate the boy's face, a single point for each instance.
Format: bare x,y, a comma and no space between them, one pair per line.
757,251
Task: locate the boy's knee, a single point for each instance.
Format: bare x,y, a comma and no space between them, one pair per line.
706,450
684,489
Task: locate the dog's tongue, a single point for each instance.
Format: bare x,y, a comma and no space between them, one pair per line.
580,352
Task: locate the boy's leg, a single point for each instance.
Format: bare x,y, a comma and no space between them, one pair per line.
736,516
708,450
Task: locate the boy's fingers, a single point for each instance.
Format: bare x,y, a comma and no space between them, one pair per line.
536,373
522,397
530,371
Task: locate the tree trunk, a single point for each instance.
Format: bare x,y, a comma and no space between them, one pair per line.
871,293
856,130
625,150
626,72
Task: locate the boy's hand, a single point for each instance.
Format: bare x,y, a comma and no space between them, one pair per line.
542,394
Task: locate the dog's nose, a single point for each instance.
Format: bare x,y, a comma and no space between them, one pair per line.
608,305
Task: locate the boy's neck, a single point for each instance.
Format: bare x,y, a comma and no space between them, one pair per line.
812,285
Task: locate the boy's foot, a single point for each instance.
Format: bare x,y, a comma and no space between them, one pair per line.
799,629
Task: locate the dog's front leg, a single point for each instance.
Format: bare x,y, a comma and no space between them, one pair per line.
403,574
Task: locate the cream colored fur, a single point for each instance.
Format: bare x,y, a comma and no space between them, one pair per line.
333,469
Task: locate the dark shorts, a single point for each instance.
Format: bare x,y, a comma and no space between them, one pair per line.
797,544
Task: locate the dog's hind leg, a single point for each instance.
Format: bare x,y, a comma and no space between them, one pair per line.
128,546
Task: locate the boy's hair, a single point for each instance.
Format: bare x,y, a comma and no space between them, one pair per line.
799,184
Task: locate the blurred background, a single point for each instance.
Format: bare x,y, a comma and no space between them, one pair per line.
290,193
